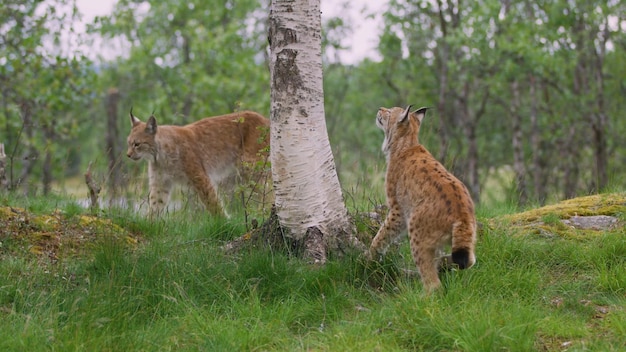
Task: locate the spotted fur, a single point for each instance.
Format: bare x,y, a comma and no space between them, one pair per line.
423,198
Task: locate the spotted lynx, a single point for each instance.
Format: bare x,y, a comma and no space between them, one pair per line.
424,198
204,154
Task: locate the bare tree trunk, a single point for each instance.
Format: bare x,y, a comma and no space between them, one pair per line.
570,152
519,165
112,143
444,133
600,151
469,121
591,43
571,173
538,159
10,136
47,173
599,120
50,136
30,153
308,195
3,169
472,162
188,103
443,57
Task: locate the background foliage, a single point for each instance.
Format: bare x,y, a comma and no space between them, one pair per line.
526,96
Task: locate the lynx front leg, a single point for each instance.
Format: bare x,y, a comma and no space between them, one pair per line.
390,230
160,188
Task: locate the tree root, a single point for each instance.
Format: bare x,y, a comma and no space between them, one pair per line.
313,247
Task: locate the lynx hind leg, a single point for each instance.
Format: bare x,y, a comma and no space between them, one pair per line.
391,229
424,254
228,193
207,193
426,249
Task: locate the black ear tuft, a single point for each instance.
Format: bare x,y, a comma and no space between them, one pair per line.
421,110
420,113
405,114
151,125
133,119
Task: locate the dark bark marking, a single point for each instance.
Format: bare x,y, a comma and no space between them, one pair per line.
287,77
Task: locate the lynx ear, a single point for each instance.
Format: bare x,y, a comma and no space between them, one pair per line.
420,113
133,119
151,125
405,114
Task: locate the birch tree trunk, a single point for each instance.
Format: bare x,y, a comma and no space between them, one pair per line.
539,163
308,198
3,175
112,144
519,164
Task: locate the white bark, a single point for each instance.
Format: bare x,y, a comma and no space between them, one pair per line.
306,186
3,178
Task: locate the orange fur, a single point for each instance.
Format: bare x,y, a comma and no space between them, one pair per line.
423,198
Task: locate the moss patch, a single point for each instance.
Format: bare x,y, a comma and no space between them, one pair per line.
56,235
547,220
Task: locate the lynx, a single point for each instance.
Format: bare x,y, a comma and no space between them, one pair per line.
424,198
204,154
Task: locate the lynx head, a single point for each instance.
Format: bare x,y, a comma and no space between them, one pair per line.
141,138
401,126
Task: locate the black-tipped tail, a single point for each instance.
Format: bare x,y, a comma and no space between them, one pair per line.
461,257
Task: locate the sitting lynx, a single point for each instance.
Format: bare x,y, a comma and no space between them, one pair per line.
204,153
424,198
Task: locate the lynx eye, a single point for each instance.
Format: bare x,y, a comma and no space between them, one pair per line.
137,144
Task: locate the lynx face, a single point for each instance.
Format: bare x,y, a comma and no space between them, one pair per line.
423,199
141,144
397,125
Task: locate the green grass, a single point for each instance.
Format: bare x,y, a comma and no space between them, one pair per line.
177,290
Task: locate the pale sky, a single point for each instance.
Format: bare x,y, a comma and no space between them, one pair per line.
363,40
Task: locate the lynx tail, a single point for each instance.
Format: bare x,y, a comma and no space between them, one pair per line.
463,239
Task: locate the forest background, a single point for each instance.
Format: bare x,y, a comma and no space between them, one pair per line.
526,96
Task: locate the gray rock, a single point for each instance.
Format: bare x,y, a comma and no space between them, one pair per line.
597,222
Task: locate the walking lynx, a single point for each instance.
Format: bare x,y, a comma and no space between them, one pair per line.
205,154
424,198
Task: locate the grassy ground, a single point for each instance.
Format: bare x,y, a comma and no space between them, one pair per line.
118,282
